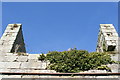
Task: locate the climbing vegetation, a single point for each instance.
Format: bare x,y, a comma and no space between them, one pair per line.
42,57
77,60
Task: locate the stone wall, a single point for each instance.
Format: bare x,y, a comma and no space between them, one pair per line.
30,77
107,38
29,63
10,62
12,39
12,43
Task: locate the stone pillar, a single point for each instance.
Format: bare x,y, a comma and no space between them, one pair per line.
108,42
12,39
107,39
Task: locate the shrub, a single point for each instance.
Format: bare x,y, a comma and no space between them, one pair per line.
42,57
75,60
104,67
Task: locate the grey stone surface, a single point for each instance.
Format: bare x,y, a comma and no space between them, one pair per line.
107,38
115,57
7,57
11,76
13,65
43,71
5,70
32,60
9,65
33,65
21,70
3,65
95,71
11,38
43,65
113,67
11,58
9,54
22,58
33,56
30,77
2,58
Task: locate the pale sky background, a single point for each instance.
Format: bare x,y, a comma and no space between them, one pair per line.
57,26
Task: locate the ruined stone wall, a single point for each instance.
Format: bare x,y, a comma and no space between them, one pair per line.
12,43
10,62
108,42
107,38
12,39
11,46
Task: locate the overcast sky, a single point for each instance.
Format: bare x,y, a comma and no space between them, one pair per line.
59,26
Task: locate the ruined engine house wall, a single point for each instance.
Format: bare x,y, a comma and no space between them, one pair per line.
107,38
12,39
12,43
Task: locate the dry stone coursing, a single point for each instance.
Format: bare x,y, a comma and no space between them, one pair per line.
33,56
9,65
11,62
11,38
22,59
12,42
36,77
27,64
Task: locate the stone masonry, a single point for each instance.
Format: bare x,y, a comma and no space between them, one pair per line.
107,38
13,56
12,39
10,62
108,41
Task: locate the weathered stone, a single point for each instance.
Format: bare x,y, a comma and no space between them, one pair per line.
22,58
96,71
5,70
9,65
10,62
31,76
33,65
12,39
30,65
114,67
46,71
9,54
3,65
11,58
32,60
11,76
115,56
43,65
107,38
13,65
20,70
33,56
2,57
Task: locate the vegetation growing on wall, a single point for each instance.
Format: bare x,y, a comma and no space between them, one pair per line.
76,60
42,57
104,47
